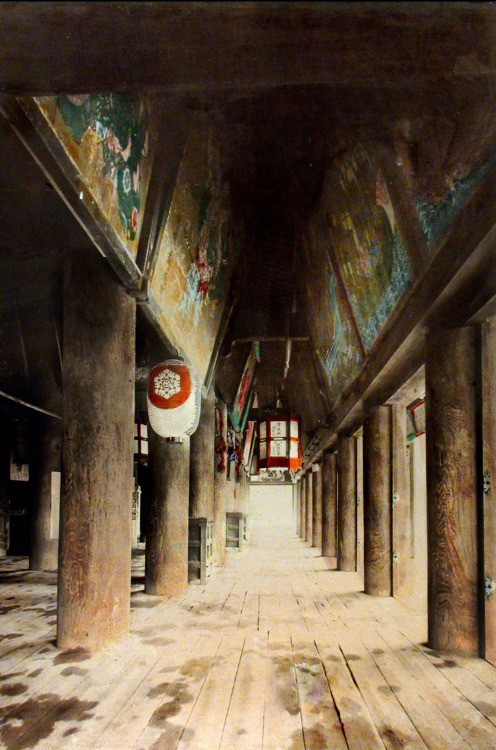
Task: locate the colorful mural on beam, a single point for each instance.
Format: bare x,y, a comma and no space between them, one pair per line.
335,341
366,240
105,135
197,253
437,217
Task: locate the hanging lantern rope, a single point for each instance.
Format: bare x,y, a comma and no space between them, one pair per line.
221,446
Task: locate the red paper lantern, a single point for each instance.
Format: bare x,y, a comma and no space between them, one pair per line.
279,444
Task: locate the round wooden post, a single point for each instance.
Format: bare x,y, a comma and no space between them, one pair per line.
309,507
453,598
94,575
400,477
45,520
202,463
221,489
489,476
316,506
166,564
329,504
346,558
297,505
303,507
377,502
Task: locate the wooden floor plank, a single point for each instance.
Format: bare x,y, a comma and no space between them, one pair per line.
321,723
203,730
244,722
277,651
435,729
358,725
282,726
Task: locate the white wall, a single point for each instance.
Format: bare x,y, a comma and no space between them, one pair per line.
271,506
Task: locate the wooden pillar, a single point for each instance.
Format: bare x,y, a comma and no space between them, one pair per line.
46,510
303,507
221,489
453,598
297,503
359,493
4,486
202,463
377,502
94,577
329,504
316,506
309,507
166,568
400,477
489,481
346,558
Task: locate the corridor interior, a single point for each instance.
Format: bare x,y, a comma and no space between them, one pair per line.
278,651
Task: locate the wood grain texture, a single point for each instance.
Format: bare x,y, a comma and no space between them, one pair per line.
488,331
166,572
377,502
309,507
317,507
297,505
346,503
360,534
95,515
452,490
275,651
303,507
329,503
400,477
44,544
202,466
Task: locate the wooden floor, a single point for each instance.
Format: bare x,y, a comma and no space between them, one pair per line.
277,652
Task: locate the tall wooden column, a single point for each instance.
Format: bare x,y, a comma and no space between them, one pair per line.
309,507
359,502
202,463
316,506
166,568
329,504
377,502
346,503
297,505
303,507
400,477
4,487
46,512
453,597
489,479
94,577
221,489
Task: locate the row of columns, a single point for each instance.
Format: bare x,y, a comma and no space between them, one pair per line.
92,447
458,516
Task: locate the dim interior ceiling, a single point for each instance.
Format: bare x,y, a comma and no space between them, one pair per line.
283,126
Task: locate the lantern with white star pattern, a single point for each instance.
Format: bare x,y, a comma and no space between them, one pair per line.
174,399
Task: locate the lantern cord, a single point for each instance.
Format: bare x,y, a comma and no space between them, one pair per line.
221,446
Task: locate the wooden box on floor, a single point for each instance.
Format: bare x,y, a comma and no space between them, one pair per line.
235,531
200,547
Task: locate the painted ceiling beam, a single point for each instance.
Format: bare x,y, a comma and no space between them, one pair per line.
443,296
180,46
